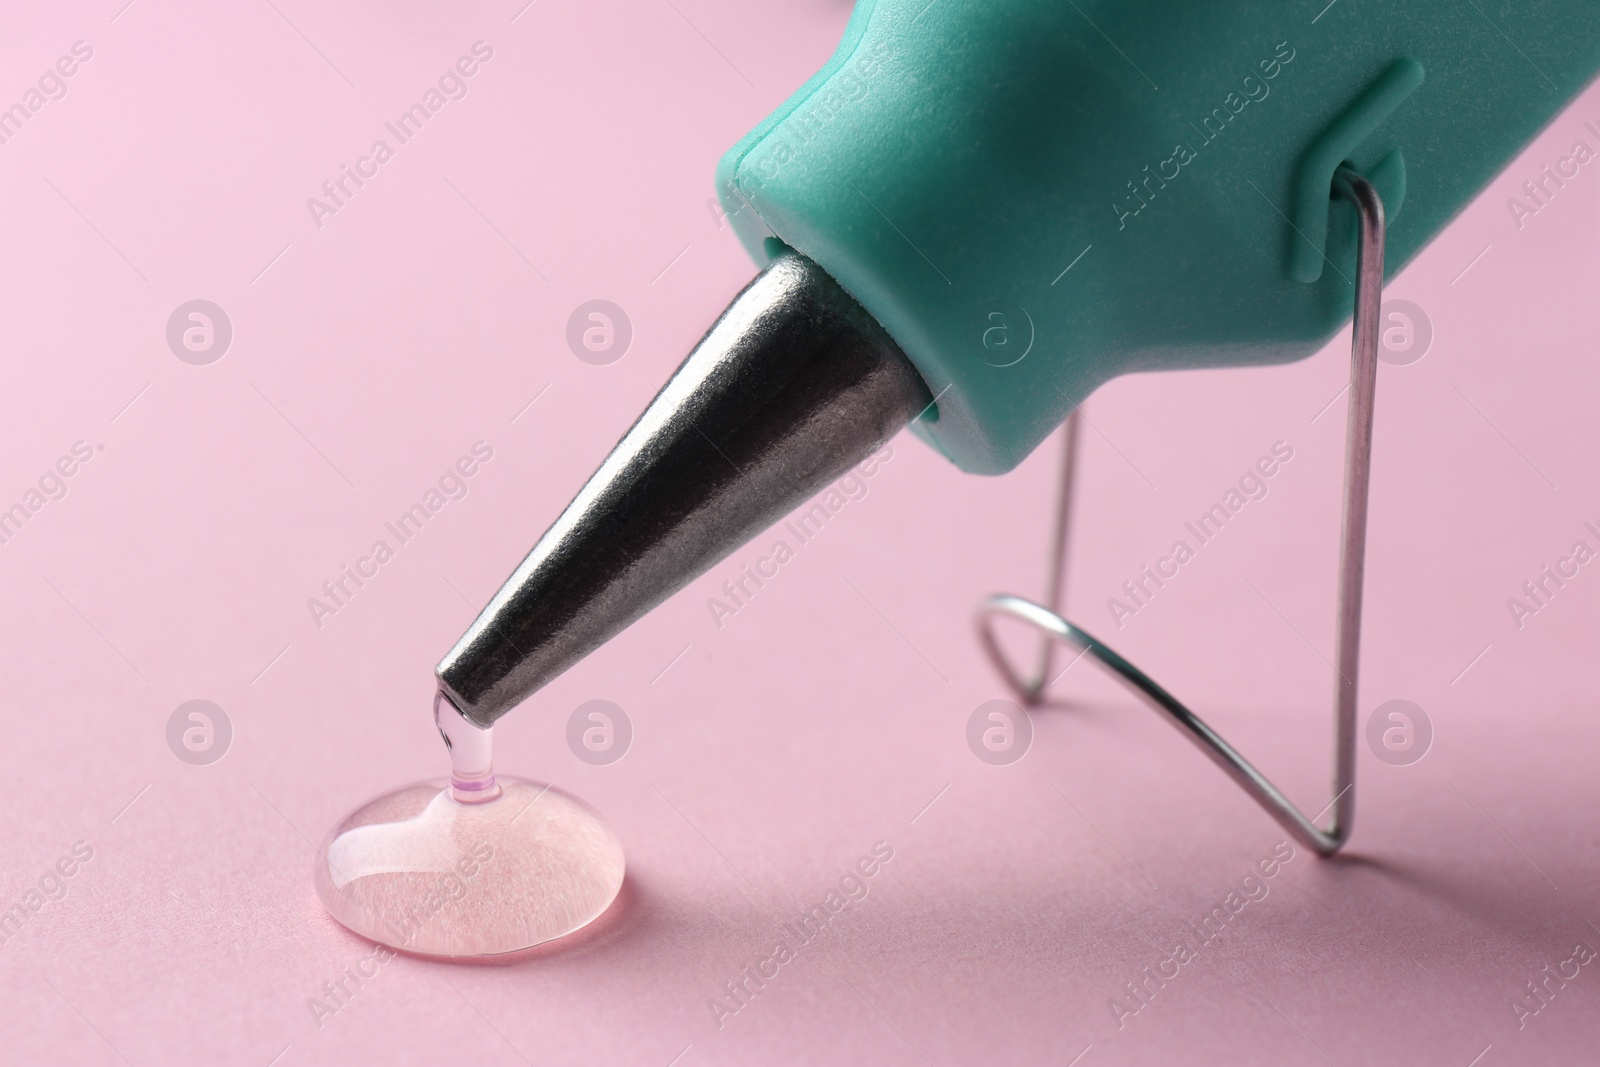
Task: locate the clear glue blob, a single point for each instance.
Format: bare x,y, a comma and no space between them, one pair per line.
473,866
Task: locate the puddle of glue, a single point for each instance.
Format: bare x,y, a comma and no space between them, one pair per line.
475,866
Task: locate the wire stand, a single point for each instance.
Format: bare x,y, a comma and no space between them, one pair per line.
1357,466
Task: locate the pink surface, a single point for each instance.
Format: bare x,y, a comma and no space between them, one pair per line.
827,715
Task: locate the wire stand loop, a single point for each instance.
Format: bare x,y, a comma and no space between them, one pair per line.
1357,466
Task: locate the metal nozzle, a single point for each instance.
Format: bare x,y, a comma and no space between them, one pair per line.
793,385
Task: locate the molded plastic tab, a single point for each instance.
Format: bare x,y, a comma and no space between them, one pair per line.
1314,178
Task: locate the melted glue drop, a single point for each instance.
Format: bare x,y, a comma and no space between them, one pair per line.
473,866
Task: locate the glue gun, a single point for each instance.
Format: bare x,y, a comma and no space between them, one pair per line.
977,212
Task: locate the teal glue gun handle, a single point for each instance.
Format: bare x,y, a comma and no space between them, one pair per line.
1033,196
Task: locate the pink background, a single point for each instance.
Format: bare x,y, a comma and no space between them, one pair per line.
827,714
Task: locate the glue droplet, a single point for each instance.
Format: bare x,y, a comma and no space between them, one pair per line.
473,866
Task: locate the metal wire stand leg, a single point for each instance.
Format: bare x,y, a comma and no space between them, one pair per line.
1055,582
1357,466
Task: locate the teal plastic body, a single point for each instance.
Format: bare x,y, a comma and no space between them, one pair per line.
1034,196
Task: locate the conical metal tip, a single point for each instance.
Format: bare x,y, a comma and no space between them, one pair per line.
793,385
